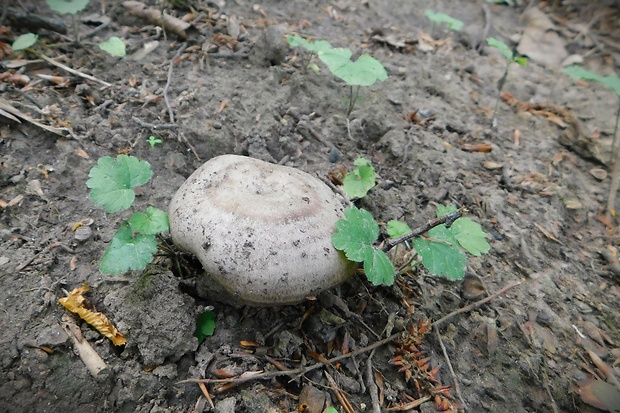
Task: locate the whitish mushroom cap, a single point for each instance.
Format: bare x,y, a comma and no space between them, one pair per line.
261,231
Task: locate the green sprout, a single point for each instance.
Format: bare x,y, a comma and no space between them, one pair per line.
359,181
510,57
153,141
365,71
111,184
311,48
205,325
71,7
24,41
452,23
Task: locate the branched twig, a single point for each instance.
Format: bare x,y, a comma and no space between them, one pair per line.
295,372
447,219
169,80
477,303
342,399
457,387
73,71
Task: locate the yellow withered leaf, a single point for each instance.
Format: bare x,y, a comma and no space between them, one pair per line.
75,303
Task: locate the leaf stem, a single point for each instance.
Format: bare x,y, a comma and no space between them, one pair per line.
500,87
352,99
447,219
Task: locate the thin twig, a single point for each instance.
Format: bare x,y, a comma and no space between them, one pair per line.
299,371
169,80
371,385
615,174
477,303
457,387
342,399
73,71
259,375
545,380
40,253
205,392
447,219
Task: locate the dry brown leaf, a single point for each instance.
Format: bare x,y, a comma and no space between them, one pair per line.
15,200
223,105
75,303
598,393
547,233
312,400
82,153
477,147
604,368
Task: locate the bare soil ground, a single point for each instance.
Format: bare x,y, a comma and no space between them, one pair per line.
236,87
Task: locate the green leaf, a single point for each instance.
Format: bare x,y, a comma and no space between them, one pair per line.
521,60
441,253
471,236
613,83
379,269
355,234
359,181
581,73
113,46
445,209
453,24
111,181
205,325
365,71
153,221
397,229
502,47
295,40
24,41
67,6
316,46
127,252
331,409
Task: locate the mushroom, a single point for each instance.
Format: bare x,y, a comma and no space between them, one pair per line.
261,231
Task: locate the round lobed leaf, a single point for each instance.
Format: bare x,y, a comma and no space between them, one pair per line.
111,181
365,71
67,6
113,46
127,252
24,41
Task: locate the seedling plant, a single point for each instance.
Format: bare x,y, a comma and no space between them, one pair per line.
442,252
365,71
510,57
71,7
111,184
113,46
309,48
